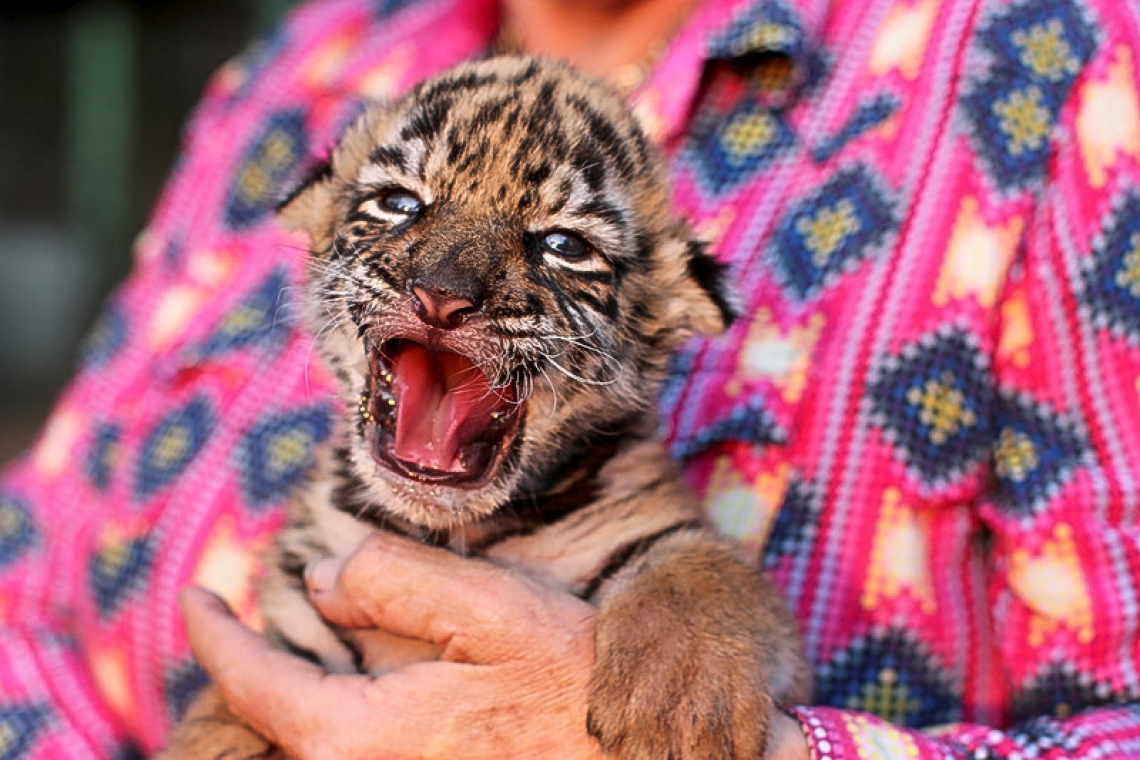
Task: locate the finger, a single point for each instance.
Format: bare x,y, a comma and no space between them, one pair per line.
256,679
458,603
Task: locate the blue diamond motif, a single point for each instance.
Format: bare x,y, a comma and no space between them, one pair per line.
1036,452
388,8
767,26
270,162
18,531
118,567
104,339
830,232
933,402
20,724
890,674
750,422
1036,50
728,149
278,452
259,319
870,113
1057,687
181,684
794,531
171,446
1111,276
103,456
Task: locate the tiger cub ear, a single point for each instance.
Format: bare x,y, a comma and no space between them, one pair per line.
703,302
310,206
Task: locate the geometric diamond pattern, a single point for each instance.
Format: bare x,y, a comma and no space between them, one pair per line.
17,529
269,163
103,455
118,567
1036,51
180,684
387,8
871,112
1059,689
750,422
729,149
104,339
278,451
831,232
933,402
256,319
171,446
1111,275
1035,453
796,525
762,27
891,674
19,725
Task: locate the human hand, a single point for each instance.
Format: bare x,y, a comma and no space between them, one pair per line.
511,682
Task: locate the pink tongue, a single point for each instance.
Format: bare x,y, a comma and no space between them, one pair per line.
444,405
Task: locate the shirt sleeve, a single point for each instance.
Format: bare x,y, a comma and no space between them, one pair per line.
56,699
1063,511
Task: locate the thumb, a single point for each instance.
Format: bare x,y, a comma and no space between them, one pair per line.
420,592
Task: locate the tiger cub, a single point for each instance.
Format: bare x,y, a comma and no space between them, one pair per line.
497,282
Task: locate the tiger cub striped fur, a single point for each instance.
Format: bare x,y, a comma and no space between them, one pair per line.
497,282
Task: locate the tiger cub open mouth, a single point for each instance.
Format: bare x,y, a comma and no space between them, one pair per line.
434,415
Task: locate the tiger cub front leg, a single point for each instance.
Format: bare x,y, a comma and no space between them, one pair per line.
209,731
693,650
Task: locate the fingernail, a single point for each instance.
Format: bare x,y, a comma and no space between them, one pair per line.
320,576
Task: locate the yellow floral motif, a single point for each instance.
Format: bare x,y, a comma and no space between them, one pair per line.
749,131
1129,277
825,232
1052,586
172,446
899,560
380,82
12,518
886,698
1045,51
275,152
1024,119
288,450
1015,456
770,37
941,407
1108,122
977,256
9,739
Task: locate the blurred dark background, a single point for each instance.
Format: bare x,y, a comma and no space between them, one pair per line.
93,95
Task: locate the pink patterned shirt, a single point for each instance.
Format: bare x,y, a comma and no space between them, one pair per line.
927,429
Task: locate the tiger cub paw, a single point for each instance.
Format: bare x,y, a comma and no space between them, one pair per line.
653,697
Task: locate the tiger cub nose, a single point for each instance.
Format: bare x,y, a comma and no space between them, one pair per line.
441,308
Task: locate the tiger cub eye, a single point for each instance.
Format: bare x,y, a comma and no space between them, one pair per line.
565,244
402,202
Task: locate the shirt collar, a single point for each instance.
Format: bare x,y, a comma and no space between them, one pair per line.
777,39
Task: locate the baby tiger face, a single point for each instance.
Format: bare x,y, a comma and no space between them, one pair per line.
497,280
